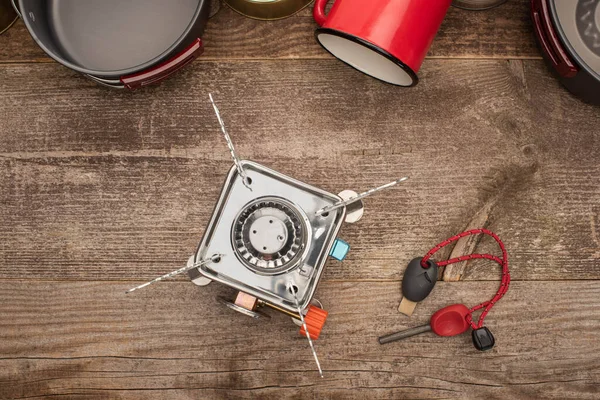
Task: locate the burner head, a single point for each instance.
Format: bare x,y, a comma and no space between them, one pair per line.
269,235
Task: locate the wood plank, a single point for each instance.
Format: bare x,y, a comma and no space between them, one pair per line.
100,184
515,106
90,340
139,217
500,33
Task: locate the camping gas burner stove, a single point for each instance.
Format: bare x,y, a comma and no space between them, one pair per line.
269,238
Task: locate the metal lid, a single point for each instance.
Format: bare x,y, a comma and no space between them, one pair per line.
8,16
578,24
477,5
267,9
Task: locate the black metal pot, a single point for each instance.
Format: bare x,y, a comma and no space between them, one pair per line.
118,43
568,32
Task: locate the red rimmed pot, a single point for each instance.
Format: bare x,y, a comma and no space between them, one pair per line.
568,33
121,44
386,39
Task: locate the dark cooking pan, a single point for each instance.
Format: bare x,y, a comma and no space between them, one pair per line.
568,32
118,43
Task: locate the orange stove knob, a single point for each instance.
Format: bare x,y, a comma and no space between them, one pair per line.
315,319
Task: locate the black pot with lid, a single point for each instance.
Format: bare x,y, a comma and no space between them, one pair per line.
120,44
568,32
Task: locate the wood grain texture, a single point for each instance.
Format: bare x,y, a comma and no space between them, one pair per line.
281,108
90,340
99,184
500,33
101,190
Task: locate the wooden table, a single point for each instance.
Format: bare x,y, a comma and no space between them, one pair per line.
101,190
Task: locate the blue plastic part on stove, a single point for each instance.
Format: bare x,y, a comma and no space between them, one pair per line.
340,249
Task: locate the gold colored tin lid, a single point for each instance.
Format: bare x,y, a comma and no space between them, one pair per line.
477,4
267,9
8,16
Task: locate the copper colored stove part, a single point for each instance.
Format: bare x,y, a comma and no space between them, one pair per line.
251,303
281,310
246,301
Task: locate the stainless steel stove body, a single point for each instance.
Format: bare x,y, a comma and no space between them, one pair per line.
271,239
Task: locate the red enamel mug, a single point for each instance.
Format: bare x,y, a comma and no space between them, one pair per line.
387,39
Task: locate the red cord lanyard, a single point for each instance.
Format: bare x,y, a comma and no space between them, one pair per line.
503,261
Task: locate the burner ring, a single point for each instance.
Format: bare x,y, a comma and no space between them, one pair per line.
269,235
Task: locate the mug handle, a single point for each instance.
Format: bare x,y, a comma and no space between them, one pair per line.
319,11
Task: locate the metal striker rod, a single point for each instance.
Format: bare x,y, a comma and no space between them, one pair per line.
404,334
236,160
310,342
177,272
361,196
